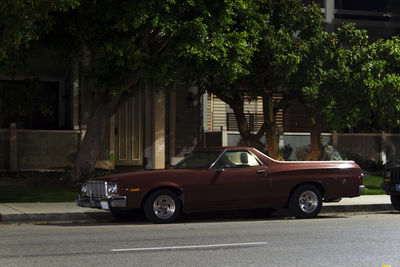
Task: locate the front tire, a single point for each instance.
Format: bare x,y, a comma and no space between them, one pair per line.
395,202
162,206
306,202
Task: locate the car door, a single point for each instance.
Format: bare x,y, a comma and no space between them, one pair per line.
237,180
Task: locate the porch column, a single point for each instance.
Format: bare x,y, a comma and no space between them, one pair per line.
172,125
329,14
159,130
75,95
154,130
383,155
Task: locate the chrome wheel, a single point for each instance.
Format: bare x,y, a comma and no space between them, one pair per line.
164,207
308,202
305,201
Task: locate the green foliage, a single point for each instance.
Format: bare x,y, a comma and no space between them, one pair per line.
329,153
253,51
286,152
380,76
221,41
346,80
325,77
285,35
23,22
251,40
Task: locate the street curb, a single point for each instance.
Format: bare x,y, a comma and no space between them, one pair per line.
72,217
55,217
357,208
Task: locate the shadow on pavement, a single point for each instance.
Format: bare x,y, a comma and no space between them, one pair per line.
202,217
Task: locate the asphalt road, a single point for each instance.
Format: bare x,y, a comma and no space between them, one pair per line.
348,240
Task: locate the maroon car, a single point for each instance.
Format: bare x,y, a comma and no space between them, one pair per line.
225,178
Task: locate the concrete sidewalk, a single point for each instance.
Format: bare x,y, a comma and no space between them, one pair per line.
70,212
49,212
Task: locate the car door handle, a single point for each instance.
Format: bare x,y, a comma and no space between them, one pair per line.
260,171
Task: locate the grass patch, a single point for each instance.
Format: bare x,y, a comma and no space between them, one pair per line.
373,185
31,194
36,187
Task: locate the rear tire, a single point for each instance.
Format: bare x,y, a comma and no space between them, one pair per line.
395,202
306,201
162,206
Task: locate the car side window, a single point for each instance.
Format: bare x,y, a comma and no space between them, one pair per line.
236,159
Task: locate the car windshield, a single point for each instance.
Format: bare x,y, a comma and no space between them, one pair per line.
199,160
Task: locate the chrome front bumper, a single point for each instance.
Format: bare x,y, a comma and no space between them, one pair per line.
104,203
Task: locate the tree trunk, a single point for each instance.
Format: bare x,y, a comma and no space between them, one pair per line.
270,128
248,138
94,137
315,140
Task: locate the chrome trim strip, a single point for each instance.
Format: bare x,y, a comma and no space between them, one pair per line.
244,150
215,161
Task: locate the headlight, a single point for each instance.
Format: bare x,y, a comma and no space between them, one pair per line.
112,188
84,188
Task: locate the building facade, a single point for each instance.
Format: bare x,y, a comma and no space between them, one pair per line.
149,130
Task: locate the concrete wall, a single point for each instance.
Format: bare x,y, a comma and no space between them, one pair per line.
40,149
366,146
376,147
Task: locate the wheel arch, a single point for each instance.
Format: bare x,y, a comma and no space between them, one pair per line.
177,191
317,184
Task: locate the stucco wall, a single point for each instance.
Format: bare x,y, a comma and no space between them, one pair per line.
366,146
46,149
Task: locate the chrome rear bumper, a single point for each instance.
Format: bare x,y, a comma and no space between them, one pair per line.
361,189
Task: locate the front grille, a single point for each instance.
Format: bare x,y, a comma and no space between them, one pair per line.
395,175
97,188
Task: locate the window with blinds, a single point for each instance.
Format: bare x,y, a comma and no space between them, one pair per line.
219,114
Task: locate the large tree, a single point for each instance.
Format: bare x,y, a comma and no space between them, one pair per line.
218,60
327,82
257,53
125,46
347,81
291,26
122,46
